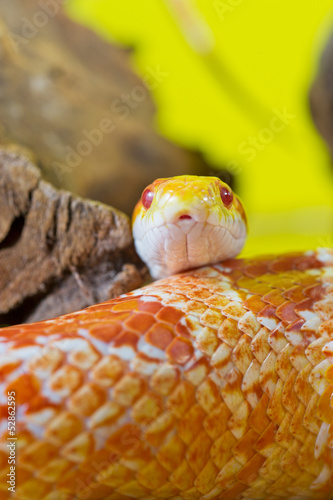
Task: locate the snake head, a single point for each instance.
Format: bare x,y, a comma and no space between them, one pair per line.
187,221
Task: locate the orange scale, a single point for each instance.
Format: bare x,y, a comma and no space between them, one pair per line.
139,322
10,331
3,460
52,472
66,380
254,286
68,317
330,436
235,263
87,399
121,299
267,277
21,478
199,294
279,281
180,350
105,332
183,331
25,387
245,282
306,280
316,292
198,371
32,488
184,396
38,403
254,304
35,327
29,336
103,315
64,328
182,289
325,407
83,485
109,316
138,459
305,262
126,338
267,312
150,307
126,440
286,312
260,288
284,263
99,461
295,326
329,374
69,326
3,412
7,368
18,344
304,305
128,305
233,276
38,454
250,471
285,282
160,335
234,491
169,315
294,293
63,428
105,306
274,298
256,269
24,437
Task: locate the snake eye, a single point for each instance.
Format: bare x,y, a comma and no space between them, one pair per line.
147,198
226,196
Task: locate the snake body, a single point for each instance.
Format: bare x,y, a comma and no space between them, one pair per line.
216,383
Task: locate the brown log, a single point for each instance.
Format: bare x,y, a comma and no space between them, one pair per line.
58,252
63,94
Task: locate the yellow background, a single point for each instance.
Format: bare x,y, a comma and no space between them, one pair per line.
230,64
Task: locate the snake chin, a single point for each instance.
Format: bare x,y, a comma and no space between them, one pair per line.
186,244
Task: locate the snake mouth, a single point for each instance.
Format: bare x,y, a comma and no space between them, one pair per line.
183,217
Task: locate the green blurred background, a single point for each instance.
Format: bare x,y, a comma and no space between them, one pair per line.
228,71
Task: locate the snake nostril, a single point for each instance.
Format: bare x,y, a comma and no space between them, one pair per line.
182,217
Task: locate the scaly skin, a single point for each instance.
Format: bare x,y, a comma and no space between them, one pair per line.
213,384
214,228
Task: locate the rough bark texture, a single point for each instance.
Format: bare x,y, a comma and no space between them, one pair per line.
321,96
74,100
58,252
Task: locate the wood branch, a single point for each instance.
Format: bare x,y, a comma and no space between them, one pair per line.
58,252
